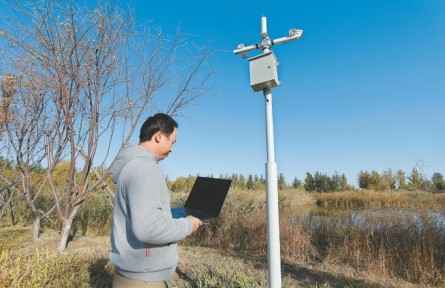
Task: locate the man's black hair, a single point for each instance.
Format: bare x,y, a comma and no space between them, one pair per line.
158,122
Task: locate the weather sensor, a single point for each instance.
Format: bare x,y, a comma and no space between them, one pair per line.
264,76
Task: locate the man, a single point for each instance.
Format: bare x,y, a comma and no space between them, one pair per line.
144,234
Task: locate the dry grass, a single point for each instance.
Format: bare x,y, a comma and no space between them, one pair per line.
379,200
394,249
38,264
231,251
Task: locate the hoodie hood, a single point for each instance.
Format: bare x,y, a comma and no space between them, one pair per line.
127,153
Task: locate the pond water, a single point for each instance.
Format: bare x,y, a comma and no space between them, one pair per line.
371,218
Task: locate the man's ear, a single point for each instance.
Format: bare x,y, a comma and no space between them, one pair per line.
157,137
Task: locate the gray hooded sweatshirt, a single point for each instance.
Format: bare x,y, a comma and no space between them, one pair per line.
144,234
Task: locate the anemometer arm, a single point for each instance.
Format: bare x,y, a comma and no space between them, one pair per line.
266,43
244,49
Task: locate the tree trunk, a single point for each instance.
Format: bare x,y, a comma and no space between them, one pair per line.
11,209
64,236
36,228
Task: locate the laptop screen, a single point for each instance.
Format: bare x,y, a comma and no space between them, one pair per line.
208,195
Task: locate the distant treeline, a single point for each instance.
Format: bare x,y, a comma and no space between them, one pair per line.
321,182
313,182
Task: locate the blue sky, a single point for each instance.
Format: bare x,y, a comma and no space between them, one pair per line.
363,89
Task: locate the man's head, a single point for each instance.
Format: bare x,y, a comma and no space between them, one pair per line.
158,134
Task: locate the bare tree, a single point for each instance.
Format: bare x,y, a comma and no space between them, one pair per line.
23,100
102,74
8,192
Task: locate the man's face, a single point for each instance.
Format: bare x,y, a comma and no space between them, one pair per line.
166,144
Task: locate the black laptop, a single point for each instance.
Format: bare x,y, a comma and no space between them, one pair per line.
205,200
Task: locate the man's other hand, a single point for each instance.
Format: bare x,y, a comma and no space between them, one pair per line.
195,223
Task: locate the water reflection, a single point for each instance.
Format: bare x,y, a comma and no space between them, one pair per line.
368,218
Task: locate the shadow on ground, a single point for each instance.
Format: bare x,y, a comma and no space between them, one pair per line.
100,275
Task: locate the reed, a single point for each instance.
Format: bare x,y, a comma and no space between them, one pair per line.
380,200
395,248
392,247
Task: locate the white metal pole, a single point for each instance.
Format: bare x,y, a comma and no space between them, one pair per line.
273,218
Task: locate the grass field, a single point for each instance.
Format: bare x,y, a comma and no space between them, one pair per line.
231,252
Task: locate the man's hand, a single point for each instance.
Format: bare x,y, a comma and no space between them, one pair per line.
195,223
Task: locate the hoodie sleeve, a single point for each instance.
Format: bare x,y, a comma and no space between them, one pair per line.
148,205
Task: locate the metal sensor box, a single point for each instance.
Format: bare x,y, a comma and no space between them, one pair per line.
263,71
